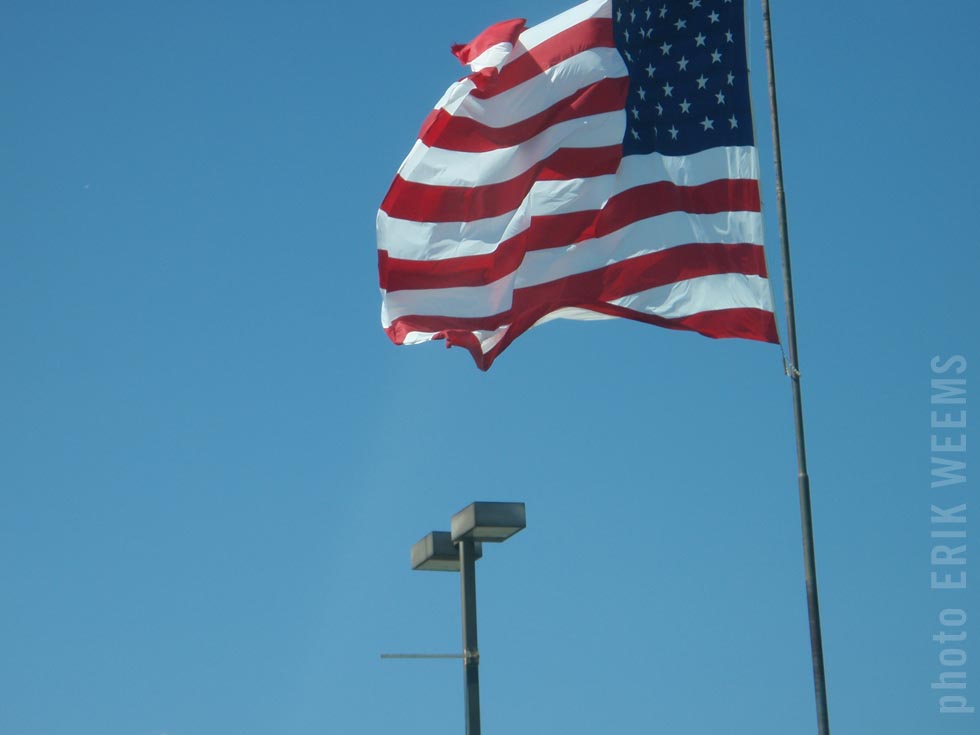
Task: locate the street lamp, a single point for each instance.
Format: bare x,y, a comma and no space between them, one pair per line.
458,550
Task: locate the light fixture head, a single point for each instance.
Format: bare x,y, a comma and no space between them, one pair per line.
437,553
489,521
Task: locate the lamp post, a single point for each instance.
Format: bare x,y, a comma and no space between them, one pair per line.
458,550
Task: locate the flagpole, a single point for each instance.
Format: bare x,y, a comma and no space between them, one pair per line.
806,517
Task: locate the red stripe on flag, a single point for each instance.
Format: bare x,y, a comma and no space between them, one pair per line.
464,134
506,31
561,230
642,273
416,202
606,284
661,197
592,33
743,323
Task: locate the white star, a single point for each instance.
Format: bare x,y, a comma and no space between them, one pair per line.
731,79
682,64
730,37
626,35
648,13
713,16
702,81
632,16
643,94
680,24
708,124
716,57
700,39
668,90
619,15
636,113
663,12
720,97
659,108
636,135
628,55
651,70
673,132
733,122
666,48
695,4
685,107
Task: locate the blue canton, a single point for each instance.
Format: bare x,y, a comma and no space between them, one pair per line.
689,87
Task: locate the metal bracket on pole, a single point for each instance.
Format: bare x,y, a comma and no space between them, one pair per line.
467,656
791,370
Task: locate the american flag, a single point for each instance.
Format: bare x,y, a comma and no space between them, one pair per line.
598,165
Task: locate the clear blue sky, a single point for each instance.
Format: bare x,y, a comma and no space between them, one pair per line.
213,463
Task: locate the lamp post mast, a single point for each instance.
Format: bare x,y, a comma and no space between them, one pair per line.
458,550
471,650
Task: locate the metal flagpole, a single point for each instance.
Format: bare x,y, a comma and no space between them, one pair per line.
813,603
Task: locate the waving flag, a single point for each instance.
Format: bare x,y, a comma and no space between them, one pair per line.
598,165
